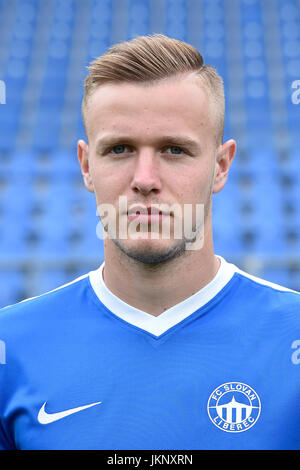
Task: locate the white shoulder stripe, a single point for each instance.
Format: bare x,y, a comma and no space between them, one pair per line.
261,281
53,290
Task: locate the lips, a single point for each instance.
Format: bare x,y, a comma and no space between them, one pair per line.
147,214
138,209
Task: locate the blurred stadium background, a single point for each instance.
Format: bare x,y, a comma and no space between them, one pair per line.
47,218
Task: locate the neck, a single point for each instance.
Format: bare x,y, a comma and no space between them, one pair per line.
154,290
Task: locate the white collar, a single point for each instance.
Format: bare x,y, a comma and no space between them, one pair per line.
172,316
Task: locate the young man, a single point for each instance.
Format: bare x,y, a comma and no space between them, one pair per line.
166,345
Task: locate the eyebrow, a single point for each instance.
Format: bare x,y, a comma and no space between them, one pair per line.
179,141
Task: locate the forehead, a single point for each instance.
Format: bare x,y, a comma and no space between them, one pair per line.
171,105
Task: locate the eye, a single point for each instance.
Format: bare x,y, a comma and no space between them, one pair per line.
174,150
118,149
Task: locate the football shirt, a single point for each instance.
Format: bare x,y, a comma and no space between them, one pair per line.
81,369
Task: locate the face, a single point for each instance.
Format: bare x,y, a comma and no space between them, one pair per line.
153,144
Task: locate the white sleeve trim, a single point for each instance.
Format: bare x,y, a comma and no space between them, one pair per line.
263,282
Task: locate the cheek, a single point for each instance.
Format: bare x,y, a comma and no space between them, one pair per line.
195,186
107,186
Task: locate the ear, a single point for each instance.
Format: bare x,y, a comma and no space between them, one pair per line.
83,157
224,157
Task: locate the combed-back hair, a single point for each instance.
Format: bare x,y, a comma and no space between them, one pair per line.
147,59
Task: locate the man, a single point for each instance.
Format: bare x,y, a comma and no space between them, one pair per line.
166,345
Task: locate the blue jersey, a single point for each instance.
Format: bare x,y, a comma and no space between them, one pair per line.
81,369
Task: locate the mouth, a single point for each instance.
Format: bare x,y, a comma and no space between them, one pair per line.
147,213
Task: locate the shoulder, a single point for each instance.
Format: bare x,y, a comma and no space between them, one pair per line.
39,307
269,294
262,300
265,284
256,282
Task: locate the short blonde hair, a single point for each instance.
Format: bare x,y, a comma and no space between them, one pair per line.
146,59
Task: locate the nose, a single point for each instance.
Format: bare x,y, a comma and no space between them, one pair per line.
146,177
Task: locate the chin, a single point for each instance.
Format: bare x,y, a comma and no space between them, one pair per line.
151,252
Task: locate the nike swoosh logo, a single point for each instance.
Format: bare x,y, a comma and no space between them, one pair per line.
46,418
